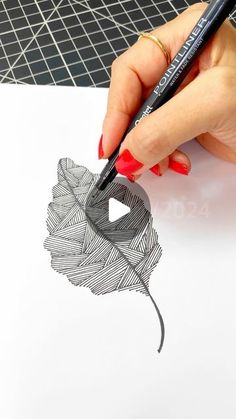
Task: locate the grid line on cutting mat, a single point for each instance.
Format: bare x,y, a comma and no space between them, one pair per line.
72,42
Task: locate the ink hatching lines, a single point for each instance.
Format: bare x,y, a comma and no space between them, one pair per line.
89,250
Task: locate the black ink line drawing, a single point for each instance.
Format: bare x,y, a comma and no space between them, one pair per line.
89,249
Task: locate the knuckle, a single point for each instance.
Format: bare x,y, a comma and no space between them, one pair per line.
222,82
148,146
223,93
197,7
158,148
115,64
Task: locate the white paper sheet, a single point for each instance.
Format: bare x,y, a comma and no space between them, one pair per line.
66,353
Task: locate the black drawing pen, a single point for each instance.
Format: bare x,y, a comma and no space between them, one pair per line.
210,21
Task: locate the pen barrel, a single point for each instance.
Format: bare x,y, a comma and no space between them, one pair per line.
209,22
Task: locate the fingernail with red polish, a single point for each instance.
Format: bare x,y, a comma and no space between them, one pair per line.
126,164
179,167
156,170
100,149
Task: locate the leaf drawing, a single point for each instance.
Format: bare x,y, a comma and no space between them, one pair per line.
90,250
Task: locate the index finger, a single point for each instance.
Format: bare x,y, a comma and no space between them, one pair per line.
135,73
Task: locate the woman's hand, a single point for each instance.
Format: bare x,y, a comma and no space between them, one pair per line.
203,107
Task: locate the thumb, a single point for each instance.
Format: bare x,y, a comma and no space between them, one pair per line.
194,110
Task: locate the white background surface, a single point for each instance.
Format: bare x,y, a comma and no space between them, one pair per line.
66,353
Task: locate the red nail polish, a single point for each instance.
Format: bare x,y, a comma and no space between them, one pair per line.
126,164
178,167
131,178
156,170
100,149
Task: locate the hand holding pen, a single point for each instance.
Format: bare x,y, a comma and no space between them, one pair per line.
204,105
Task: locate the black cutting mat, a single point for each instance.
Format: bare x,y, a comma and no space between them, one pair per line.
71,42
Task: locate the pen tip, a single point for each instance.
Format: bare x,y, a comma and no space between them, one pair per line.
93,195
